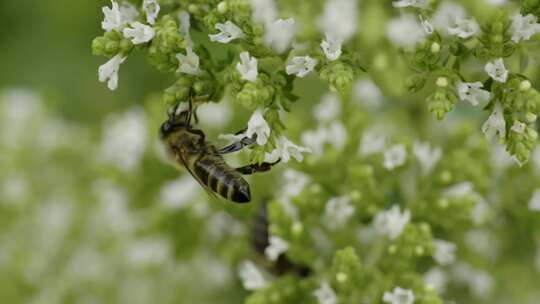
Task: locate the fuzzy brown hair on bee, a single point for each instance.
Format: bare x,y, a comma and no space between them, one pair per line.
189,147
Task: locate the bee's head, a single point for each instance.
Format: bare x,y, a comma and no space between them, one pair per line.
174,123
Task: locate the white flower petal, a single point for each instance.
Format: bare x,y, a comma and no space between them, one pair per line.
277,246
228,32
445,252
252,278
524,27
152,8
139,33
410,3
301,66
331,48
495,124
189,63
534,202
285,150
279,34
405,31
472,92
518,127
263,11
338,211
427,156
395,157
340,19
247,67
112,17
325,294
391,222
257,125
497,71
464,28
399,296
109,71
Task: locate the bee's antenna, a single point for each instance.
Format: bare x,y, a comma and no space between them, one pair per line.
172,111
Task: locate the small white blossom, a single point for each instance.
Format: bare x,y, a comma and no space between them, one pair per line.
152,8
139,33
251,276
405,31
391,222
325,294
247,67
479,281
368,93
124,140
109,71
523,27
495,124
301,66
534,202
294,183
112,18
373,141
257,125
185,25
228,31
399,296
464,28
437,279
395,157
189,63
338,211
411,3
472,92
276,247
446,15
334,134
178,193
148,252
445,252
340,19
128,12
428,27
285,149
263,11
279,34
518,127
337,135
331,48
427,156
328,109
497,70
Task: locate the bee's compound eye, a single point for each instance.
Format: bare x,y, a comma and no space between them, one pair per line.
166,127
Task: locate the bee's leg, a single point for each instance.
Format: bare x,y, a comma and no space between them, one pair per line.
197,132
237,146
254,168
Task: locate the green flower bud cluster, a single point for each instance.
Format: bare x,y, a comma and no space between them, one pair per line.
111,44
530,7
347,274
258,93
166,44
287,289
415,242
520,143
496,40
442,100
339,75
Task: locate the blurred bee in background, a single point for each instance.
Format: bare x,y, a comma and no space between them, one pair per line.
259,241
204,161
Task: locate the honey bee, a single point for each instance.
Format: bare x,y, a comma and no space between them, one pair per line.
189,148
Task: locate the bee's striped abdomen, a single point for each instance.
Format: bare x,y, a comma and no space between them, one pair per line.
221,179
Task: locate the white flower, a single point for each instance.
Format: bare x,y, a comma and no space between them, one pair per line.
109,71
413,3
112,17
337,135
279,34
391,222
395,157
405,31
518,127
149,251
251,276
427,157
480,282
331,48
124,140
464,28
178,193
338,211
367,92
276,247
185,25
399,296
523,27
151,7
445,252
301,66
495,124
534,202
139,33
340,19
285,149
247,67
328,109
325,294
189,63
437,279
428,27
373,141
128,12
228,31
472,92
446,15
497,70
257,125
294,183
263,11
315,140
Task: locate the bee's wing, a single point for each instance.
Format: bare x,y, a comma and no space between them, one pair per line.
205,187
